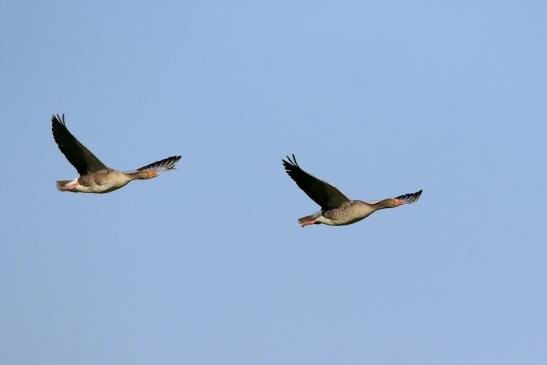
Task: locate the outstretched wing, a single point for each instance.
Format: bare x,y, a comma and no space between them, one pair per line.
398,200
162,165
321,192
410,198
76,153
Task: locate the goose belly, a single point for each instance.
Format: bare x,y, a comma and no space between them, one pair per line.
346,214
100,183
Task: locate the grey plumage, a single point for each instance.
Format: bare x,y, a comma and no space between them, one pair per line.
95,176
336,208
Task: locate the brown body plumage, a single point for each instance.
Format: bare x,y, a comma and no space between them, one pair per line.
96,177
336,208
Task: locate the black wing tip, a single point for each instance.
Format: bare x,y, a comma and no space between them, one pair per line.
168,163
55,118
290,162
411,197
173,159
58,127
292,168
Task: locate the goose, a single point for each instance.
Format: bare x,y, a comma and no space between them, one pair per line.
336,208
95,176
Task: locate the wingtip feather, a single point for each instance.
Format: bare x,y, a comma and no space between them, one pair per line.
411,197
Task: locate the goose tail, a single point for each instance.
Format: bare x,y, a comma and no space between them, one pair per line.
61,183
309,219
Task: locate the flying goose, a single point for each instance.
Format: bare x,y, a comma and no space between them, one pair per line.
336,208
96,177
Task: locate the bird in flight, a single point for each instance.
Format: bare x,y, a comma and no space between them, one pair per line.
336,208
96,177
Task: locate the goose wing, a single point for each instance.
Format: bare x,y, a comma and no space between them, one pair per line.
321,192
162,165
76,153
402,199
409,198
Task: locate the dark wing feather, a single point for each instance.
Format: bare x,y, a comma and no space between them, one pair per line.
321,192
76,153
162,165
410,198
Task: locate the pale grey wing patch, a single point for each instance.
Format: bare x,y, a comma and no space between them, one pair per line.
410,198
326,195
162,165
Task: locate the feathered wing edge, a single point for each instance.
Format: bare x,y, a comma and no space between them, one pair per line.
411,197
326,195
75,152
162,165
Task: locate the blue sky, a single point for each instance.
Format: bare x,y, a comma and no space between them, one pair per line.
207,264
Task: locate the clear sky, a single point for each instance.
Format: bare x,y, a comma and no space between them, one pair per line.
207,264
